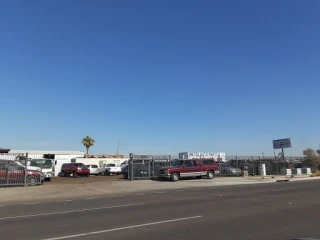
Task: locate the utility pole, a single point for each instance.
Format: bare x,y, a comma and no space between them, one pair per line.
118,147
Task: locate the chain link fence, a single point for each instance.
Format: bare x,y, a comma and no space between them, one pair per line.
273,164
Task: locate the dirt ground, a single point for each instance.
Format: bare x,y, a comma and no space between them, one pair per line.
83,180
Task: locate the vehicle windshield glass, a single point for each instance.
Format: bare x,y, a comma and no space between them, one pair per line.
94,166
87,166
42,163
111,165
177,163
78,164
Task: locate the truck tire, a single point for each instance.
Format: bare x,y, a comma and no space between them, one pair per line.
74,174
107,173
125,175
210,174
63,174
174,177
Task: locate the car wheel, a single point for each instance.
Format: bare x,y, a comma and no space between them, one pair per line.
75,174
31,181
125,175
107,173
88,175
174,177
63,174
210,174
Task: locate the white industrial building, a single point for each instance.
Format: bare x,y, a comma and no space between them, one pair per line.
220,156
36,154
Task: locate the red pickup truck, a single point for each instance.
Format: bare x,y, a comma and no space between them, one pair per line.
189,168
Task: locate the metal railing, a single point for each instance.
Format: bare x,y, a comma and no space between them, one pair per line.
273,164
146,166
15,173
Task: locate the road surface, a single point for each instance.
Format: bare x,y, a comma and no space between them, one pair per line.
249,212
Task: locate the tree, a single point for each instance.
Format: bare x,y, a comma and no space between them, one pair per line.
318,151
310,157
87,142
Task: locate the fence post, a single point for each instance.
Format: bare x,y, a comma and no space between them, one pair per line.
131,162
237,161
7,174
153,167
252,166
25,170
149,165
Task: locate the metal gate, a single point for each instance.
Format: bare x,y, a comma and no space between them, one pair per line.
146,166
14,172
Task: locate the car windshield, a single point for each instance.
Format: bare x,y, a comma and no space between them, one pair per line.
42,163
111,165
94,166
177,163
78,165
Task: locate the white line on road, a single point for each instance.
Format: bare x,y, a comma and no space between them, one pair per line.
123,228
70,211
90,198
31,203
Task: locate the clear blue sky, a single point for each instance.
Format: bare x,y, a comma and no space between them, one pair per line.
161,76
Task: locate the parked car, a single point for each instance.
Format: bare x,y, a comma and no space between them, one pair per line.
76,169
108,169
94,169
189,168
229,170
13,173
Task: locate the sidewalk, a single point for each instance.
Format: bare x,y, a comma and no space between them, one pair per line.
96,189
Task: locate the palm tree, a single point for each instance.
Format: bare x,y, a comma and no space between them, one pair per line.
87,142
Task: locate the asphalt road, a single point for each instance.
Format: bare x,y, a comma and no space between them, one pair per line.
263,211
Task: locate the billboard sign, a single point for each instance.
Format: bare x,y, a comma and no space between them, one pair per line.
282,143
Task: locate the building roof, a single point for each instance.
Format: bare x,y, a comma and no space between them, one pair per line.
41,152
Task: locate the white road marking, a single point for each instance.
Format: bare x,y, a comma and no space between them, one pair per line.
68,200
117,196
31,203
123,228
91,198
70,211
160,192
